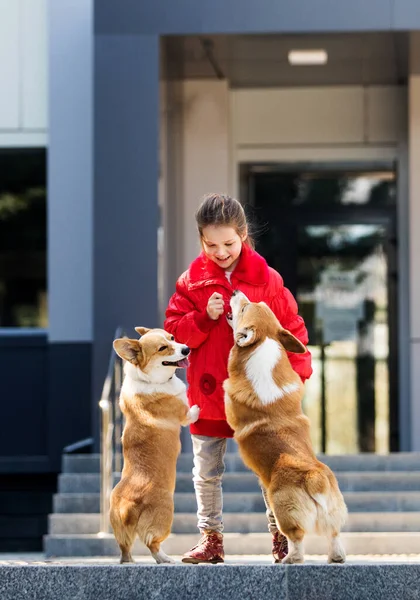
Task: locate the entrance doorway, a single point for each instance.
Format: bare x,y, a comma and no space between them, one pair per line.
331,234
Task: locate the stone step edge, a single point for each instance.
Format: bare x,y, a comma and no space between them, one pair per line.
235,543
265,534
251,475
355,514
362,521
390,493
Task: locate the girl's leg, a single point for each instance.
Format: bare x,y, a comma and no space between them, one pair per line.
209,466
208,470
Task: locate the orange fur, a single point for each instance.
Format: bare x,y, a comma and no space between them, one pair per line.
142,502
273,434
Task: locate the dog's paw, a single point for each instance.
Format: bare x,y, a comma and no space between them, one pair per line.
293,558
337,554
162,558
193,413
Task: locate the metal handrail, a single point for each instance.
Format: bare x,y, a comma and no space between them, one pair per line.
111,430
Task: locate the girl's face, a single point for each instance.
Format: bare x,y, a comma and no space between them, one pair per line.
222,245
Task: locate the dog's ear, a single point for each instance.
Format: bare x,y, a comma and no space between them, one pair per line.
129,350
142,330
245,337
290,343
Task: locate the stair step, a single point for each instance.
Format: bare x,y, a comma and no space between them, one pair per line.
247,482
235,543
401,461
382,494
243,522
243,581
253,502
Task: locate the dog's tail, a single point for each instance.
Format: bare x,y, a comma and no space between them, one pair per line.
323,488
317,486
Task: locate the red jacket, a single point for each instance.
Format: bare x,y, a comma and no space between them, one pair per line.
210,341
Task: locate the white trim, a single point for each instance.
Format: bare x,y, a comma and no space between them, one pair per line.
23,139
22,331
340,153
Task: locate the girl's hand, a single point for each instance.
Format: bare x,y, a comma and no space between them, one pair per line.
215,306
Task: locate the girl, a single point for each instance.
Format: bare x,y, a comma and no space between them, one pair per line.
196,317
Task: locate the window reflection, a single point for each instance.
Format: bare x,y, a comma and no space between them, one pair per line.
331,236
344,294
314,190
23,238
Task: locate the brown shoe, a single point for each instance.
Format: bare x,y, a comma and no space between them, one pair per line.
208,550
280,546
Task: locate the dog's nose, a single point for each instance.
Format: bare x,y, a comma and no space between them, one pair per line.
235,292
185,351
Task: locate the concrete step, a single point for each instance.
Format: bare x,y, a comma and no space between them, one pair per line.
243,523
226,582
235,543
253,502
247,482
401,461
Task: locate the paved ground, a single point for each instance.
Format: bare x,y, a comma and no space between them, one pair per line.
39,559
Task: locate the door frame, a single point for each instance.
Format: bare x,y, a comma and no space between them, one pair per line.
363,159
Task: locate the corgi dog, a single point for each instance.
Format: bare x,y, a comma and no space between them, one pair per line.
154,403
263,396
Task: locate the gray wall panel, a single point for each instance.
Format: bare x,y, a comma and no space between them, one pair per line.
241,16
126,191
70,171
406,14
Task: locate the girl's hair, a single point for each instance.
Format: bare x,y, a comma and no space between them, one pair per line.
220,209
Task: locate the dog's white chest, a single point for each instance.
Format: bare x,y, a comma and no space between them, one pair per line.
132,385
259,371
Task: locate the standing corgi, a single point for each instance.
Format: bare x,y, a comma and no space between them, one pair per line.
153,401
263,406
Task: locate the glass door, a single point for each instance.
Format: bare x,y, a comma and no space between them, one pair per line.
342,289
331,235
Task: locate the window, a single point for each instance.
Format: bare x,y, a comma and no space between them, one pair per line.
23,238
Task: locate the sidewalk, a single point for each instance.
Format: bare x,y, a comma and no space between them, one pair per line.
252,577
251,559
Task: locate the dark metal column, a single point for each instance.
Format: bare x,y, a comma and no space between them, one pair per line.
125,219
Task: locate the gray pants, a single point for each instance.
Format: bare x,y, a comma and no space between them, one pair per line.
209,466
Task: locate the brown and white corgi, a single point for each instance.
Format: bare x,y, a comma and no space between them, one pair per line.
153,401
263,407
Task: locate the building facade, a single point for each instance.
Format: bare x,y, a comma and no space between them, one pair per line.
136,110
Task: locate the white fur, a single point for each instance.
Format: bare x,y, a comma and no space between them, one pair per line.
161,557
235,304
336,552
321,500
295,554
135,383
193,413
259,370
